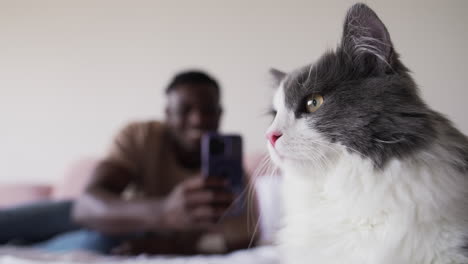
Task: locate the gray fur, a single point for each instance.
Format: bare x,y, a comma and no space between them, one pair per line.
278,76
371,103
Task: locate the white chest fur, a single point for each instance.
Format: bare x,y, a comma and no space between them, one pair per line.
410,212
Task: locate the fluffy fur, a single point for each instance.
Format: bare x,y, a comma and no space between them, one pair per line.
374,176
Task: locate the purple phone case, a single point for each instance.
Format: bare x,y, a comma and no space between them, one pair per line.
222,157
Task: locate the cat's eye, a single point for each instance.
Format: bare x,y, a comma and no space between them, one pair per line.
313,102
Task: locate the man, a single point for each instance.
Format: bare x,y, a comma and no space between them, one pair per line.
148,194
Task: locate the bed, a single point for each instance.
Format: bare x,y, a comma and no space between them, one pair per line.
258,255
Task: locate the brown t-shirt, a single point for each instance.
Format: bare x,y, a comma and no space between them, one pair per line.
144,149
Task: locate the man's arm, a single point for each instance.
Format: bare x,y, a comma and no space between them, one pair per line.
231,233
102,208
187,208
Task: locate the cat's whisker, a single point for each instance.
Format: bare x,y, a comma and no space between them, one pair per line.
265,169
389,141
248,192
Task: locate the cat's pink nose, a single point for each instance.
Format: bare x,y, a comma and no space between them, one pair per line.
273,137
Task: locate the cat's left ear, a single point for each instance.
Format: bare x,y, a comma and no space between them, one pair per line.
365,34
278,76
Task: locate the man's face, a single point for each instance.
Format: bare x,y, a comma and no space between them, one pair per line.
192,110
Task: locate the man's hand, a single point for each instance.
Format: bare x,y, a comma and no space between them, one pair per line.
195,204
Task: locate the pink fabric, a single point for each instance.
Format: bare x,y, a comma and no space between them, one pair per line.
75,179
70,186
16,194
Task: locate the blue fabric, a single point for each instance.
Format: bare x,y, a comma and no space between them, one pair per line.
82,240
48,225
35,222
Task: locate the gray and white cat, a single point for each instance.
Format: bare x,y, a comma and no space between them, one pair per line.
371,174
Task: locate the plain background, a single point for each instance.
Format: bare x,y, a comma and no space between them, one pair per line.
72,73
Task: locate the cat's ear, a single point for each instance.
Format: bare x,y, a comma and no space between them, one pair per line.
277,75
365,34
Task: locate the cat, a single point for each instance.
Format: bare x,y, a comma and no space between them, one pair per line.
371,175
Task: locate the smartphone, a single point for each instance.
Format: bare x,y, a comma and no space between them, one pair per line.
222,157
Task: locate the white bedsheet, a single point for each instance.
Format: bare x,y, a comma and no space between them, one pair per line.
259,255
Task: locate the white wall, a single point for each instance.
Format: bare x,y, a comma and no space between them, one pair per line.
73,72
